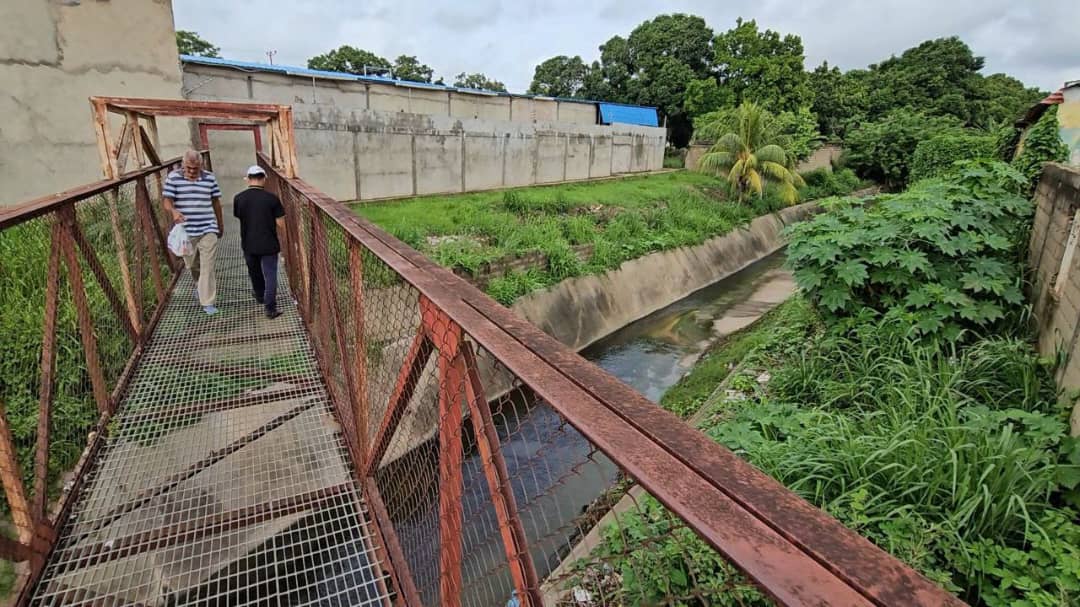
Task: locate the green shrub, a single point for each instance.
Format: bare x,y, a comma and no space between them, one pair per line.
464,254
823,183
882,150
1041,144
942,255
937,155
541,201
506,289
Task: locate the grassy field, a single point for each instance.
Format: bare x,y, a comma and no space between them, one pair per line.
621,218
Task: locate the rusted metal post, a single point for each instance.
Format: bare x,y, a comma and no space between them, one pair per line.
359,362
408,377
450,479
48,367
82,309
522,569
149,228
11,477
103,280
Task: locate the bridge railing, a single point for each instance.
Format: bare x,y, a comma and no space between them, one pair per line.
498,465
84,275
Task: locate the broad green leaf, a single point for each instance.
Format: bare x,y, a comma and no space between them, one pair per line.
852,272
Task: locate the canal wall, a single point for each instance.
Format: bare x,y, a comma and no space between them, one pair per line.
1055,266
579,311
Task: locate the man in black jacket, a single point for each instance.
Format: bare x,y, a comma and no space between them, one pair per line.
261,216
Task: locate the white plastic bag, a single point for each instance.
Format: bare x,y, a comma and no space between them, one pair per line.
179,243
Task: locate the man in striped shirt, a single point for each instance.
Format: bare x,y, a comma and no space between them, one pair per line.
193,198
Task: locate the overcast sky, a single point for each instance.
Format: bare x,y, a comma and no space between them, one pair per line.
1037,41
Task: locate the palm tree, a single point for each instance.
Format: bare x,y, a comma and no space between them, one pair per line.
750,154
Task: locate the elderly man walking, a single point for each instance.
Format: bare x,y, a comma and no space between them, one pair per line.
193,198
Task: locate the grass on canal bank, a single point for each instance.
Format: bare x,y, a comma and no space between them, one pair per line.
955,459
619,219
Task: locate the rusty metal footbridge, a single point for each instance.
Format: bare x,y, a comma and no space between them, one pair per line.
396,437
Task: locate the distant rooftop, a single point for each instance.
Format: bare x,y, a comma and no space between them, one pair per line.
310,73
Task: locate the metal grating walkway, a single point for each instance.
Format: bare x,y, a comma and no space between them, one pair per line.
224,479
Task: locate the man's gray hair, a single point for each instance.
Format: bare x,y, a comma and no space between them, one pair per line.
192,158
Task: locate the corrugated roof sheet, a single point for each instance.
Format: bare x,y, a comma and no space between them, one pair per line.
611,113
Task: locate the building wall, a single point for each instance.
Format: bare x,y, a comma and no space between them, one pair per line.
53,56
1056,281
1069,119
367,141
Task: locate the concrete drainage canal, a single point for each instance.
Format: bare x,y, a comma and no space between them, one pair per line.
558,478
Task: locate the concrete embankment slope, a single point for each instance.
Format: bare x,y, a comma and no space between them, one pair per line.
582,310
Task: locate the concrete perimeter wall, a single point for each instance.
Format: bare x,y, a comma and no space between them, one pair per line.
53,56
1056,267
367,141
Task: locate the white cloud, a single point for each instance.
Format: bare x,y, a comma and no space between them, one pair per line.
1033,41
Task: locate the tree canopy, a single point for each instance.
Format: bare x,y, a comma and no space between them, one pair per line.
190,43
351,60
762,67
408,67
478,81
559,76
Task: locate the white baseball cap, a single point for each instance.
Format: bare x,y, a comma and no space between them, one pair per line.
256,171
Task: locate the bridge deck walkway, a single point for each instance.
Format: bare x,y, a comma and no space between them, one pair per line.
224,478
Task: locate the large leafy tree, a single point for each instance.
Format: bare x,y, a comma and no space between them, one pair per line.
478,81
190,43
882,149
408,67
938,77
751,154
1004,99
761,66
559,76
840,99
351,60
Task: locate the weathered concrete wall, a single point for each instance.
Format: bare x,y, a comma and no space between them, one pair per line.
582,310
1056,267
369,141
53,56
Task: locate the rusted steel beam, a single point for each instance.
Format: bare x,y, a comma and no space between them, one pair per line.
515,543
48,368
408,377
122,315
189,108
82,308
11,478
145,496
308,389
361,406
77,557
11,550
134,312
149,239
47,204
841,568
447,338
384,533
149,148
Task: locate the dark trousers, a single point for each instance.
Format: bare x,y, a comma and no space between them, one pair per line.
263,272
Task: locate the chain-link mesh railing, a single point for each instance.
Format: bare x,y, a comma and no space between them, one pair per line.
500,468
83,276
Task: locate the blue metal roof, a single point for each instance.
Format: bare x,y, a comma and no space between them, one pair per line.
616,112
611,113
